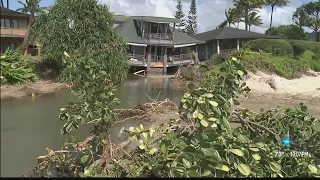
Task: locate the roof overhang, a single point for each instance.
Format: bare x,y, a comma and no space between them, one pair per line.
136,44
183,45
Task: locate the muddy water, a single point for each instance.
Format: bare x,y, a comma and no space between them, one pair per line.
29,126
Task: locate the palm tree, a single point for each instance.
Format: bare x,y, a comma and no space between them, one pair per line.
246,7
254,20
232,16
28,5
32,7
274,3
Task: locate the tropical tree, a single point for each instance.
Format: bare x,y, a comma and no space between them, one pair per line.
299,17
31,6
192,19
179,14
246,7
254,20
27,6
232,16
287,31
276,3
308,15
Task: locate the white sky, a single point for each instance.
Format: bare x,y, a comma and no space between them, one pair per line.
210,12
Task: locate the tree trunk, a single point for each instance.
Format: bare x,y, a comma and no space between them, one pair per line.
317,36
2,5
246,18
229,24
249,28
25,42
271,15
238,24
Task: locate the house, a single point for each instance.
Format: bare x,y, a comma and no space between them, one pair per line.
225,40
154,42
13,29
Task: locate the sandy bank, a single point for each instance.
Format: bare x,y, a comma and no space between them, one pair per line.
42,87
306,86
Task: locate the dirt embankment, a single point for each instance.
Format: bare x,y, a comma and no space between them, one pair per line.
40,88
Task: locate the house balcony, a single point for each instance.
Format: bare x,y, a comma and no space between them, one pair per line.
158,36
13,32
157,61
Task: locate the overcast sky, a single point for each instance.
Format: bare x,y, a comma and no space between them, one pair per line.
210,12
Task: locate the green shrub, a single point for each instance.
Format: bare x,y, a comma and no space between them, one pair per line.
15,69
311,59
277,47
300,46
283,66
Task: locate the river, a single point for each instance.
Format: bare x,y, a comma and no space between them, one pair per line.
29,126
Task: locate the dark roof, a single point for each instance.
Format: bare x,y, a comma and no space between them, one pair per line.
231,33
129,31
9,12
122,18
156,19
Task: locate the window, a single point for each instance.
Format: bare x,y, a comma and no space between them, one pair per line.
14,23
154,28
2,22
6,46
9,23
162,28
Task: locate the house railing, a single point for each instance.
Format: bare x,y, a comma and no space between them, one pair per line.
180,57
158,36
13,31
227,50
137,58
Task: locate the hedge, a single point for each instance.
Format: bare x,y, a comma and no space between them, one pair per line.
285,47
300,46
277,47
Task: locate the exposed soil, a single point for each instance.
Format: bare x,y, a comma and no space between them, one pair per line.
37,89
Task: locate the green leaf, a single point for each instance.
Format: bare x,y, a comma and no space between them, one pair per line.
241,73
195,114
66,54
208,95
141,146
254,149
186,163
212,119
206,173
85,158
223,168
213,103
226,124
88,170
276,167
237,152
316,126
313,169
204,123
200,116
244,169
256,157
214,125
153,150
194,174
